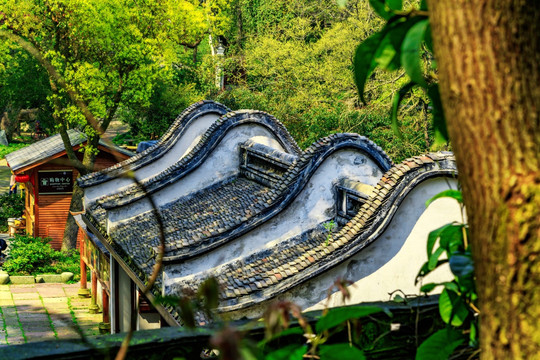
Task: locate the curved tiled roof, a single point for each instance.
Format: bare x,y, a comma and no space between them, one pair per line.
156,151
45,148
268,273
213,216
199,153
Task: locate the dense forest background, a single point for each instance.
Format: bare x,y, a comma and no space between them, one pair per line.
290,58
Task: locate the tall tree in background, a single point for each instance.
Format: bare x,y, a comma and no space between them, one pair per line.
488,56
24,88
101,55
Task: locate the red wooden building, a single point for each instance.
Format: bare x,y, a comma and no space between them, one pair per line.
48,176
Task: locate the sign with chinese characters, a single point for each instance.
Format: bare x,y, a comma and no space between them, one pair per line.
55,181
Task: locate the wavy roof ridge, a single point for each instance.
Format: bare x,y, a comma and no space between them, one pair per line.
283,192
165,143
283,268
199,152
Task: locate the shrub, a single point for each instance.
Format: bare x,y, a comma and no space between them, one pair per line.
11,206
31,256
4,150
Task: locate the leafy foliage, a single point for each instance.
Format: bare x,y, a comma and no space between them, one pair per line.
11,206
293,59
278,319
31,256
4,150
23,85
403,42
457,302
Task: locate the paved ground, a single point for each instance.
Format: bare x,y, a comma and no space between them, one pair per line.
39,312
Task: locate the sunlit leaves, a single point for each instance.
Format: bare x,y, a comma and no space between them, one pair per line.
440,345
452,308
111,53
450,193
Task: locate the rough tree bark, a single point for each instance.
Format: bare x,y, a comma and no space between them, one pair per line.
488,55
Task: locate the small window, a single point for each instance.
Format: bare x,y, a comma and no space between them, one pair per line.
351,195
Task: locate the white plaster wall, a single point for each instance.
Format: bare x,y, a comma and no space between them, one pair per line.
125,290
148,321
190,137
390,263
222,163
393,260
315,204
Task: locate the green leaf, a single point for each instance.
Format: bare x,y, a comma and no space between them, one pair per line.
467,285
461,265
451,238
388,55
247,354
342,3
452,307
340,352
439,121
410,52
433,259
440,345
427,39
395,106
290,352
432,238
286,332
424,270
385,55
423,5
454,194
473,335
338,316
363,60
380,8
452,286
395,4
429,287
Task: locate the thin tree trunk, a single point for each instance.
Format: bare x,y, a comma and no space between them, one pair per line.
69,239
488,55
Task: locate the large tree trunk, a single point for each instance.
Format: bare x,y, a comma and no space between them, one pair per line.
488,55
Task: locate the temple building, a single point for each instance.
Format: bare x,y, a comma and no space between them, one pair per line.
239,201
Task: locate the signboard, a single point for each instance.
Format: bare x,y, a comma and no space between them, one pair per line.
55,181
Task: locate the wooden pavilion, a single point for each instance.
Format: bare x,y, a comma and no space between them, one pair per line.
48,176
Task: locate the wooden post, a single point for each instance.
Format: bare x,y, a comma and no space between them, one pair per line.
105,326
105,298
83,291
94,308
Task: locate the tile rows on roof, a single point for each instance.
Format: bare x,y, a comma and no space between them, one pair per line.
48,147
189,232
188,222
153,153
42,149
263,270
201,150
